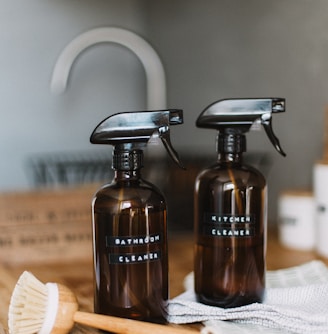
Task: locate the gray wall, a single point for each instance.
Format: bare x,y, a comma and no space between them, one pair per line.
235,48
211,49
105,78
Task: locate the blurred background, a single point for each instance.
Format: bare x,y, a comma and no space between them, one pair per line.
210,50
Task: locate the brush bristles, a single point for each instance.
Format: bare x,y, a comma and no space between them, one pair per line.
27,305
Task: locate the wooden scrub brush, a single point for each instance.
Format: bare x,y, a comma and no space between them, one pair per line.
52,308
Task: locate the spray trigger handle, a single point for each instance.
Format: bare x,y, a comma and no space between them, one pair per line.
266,121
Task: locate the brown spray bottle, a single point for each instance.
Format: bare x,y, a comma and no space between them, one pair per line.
130,220
231,207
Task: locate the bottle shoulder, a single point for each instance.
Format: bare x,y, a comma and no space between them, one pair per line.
140,192
231,172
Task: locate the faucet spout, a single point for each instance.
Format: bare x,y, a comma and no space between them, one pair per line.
155,75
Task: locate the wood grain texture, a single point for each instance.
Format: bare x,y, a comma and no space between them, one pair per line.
67,307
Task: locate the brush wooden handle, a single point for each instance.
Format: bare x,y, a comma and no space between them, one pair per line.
68,314
125,326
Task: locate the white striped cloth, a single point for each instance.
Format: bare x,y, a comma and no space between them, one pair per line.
296,301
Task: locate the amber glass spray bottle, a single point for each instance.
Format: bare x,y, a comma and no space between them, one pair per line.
130,221
231,207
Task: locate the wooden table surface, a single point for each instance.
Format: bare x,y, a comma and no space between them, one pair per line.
78,276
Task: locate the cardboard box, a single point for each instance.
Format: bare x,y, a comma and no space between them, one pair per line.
46,225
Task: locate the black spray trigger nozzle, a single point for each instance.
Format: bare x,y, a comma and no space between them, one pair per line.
237,116
132,130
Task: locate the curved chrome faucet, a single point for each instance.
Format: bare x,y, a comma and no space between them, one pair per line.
155,75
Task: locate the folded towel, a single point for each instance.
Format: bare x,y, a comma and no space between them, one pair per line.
296,301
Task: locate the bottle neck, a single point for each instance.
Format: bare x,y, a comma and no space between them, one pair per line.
230,157
127,164
132,175
231,147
